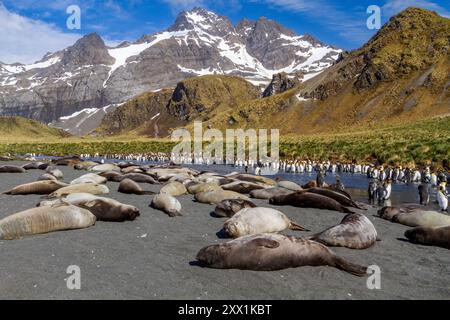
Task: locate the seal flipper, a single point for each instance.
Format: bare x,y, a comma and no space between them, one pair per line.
174,214
296,227
346,210
149,193
350,267
267,243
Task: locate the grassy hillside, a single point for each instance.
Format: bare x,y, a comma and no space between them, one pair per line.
156,114
20,129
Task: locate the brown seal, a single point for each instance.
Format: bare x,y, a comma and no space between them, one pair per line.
128,186
270,252
12,169
39,187
439,237
309,200
228,208
336,195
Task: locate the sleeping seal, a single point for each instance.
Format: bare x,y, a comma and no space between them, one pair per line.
356,231
270,252
243,187
112,176
47,176
203,187
136,177
12,169
310,200
415,217
292,186
104,209
215,197
55,172
39,187
174,189
90,178
266,194
128,186
336,195
439,237
168,204
45,220
259,220
228,208
95,189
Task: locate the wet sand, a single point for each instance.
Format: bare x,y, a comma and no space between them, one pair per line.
150,258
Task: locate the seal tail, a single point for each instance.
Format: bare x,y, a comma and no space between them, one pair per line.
296,227
7,192
350,267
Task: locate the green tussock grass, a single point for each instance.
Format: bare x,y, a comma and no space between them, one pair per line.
425,142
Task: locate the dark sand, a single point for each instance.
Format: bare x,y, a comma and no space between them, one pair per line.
150,258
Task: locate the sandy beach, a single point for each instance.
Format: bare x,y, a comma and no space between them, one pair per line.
151,258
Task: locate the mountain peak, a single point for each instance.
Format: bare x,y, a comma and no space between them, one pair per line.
89,50
199,19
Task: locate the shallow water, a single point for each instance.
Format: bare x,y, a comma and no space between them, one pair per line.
356,184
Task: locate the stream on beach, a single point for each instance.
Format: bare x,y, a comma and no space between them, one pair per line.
356,183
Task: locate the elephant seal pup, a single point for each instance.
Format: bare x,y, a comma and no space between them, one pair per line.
131,169
271,252
167,204
266,194
439,237
55,172
35,166
424,219
12,169
259,220
243,187
38,187
104,168
112,176
336,195
47,176
174,189
44,220
356,231
203,187
215,197
128,186
310,200
90,178
95,189
254,179
104,209
388,213
84,165
289,185
228,208
136,177
414,216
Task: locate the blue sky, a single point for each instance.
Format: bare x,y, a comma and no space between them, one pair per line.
30,28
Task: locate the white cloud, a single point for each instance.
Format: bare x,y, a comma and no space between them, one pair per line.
26,40
393,7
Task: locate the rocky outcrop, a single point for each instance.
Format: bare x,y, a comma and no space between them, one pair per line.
280,83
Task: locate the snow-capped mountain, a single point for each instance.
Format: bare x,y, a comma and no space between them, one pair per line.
91,75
